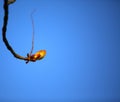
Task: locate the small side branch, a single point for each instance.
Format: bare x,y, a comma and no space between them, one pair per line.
4,29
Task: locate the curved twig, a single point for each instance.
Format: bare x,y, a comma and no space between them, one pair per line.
37,56
4,29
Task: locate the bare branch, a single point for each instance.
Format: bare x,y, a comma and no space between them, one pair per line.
4,29
37,56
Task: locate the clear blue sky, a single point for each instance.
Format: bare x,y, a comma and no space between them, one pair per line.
82,39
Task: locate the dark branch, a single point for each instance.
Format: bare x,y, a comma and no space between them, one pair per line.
4,29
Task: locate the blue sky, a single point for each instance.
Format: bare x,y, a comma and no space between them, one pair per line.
82,40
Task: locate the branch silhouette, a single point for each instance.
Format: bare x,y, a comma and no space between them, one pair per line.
37,56
4,29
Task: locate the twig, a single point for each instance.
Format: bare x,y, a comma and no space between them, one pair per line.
37,56
4,29
33,33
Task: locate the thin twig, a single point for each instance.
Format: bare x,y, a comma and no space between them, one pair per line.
33,33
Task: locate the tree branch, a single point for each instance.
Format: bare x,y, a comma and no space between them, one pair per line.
4,29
